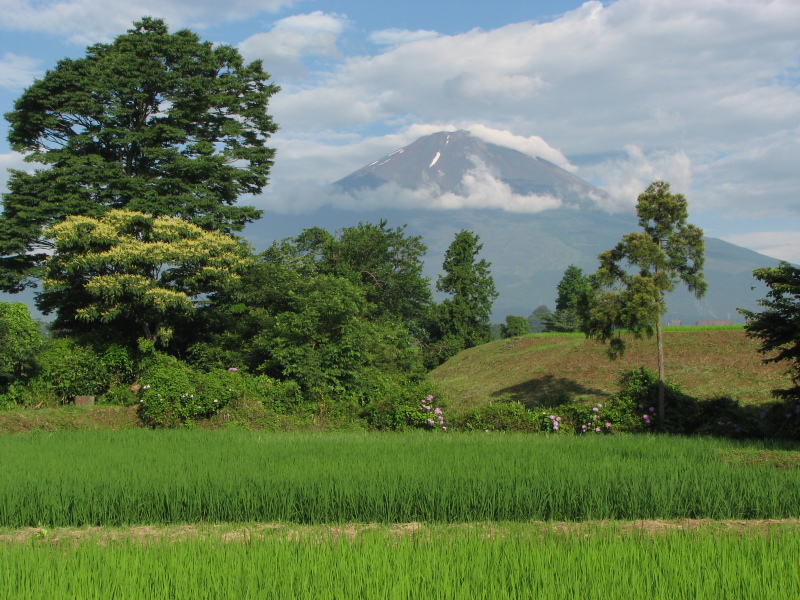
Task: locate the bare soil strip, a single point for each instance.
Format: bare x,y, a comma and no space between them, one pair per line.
245,533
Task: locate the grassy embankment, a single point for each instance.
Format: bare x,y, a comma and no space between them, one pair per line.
546,369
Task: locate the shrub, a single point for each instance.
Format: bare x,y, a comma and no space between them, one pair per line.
20,340
507,416
174,394
396,405
71,370
280,396
633,407
119,363
514,327
782,419
119,395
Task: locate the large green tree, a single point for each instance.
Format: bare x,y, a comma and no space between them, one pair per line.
383,261
627,291
778,326
464,317
294,318
157,122
135,275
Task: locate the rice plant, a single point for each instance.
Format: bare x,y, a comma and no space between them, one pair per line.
190,476
481,562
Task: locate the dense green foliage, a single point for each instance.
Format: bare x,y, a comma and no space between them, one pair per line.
572,286
127,275
627,291
126,477
342,316
19,341
482,562
155,122
463,319
514,327
384,262
778,326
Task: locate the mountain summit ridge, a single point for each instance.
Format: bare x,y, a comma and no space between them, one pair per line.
445,162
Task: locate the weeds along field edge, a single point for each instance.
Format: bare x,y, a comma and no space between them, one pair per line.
131,477
486,561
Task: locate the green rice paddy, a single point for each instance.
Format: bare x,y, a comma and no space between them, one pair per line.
394,516
132,477
594,562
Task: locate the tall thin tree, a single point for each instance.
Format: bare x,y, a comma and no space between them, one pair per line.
627,292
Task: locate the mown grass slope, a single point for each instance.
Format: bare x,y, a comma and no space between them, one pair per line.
549,369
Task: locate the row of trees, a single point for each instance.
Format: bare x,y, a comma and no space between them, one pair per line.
335,313
129,225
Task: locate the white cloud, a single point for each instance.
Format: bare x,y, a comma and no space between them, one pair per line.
532,145
312,23
625,178
293,38
784,245
18,72
87,21
392,37
758,176
480,189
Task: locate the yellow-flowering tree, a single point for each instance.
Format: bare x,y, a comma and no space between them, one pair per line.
134,273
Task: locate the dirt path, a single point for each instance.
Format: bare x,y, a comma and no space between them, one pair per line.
241,533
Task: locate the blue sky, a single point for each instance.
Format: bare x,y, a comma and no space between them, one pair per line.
702,94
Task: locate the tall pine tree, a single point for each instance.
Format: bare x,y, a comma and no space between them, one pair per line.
156,122
464,317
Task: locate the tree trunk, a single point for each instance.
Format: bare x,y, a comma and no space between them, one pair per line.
148,335
661,402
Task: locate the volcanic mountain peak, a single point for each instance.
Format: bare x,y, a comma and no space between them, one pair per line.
441,161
